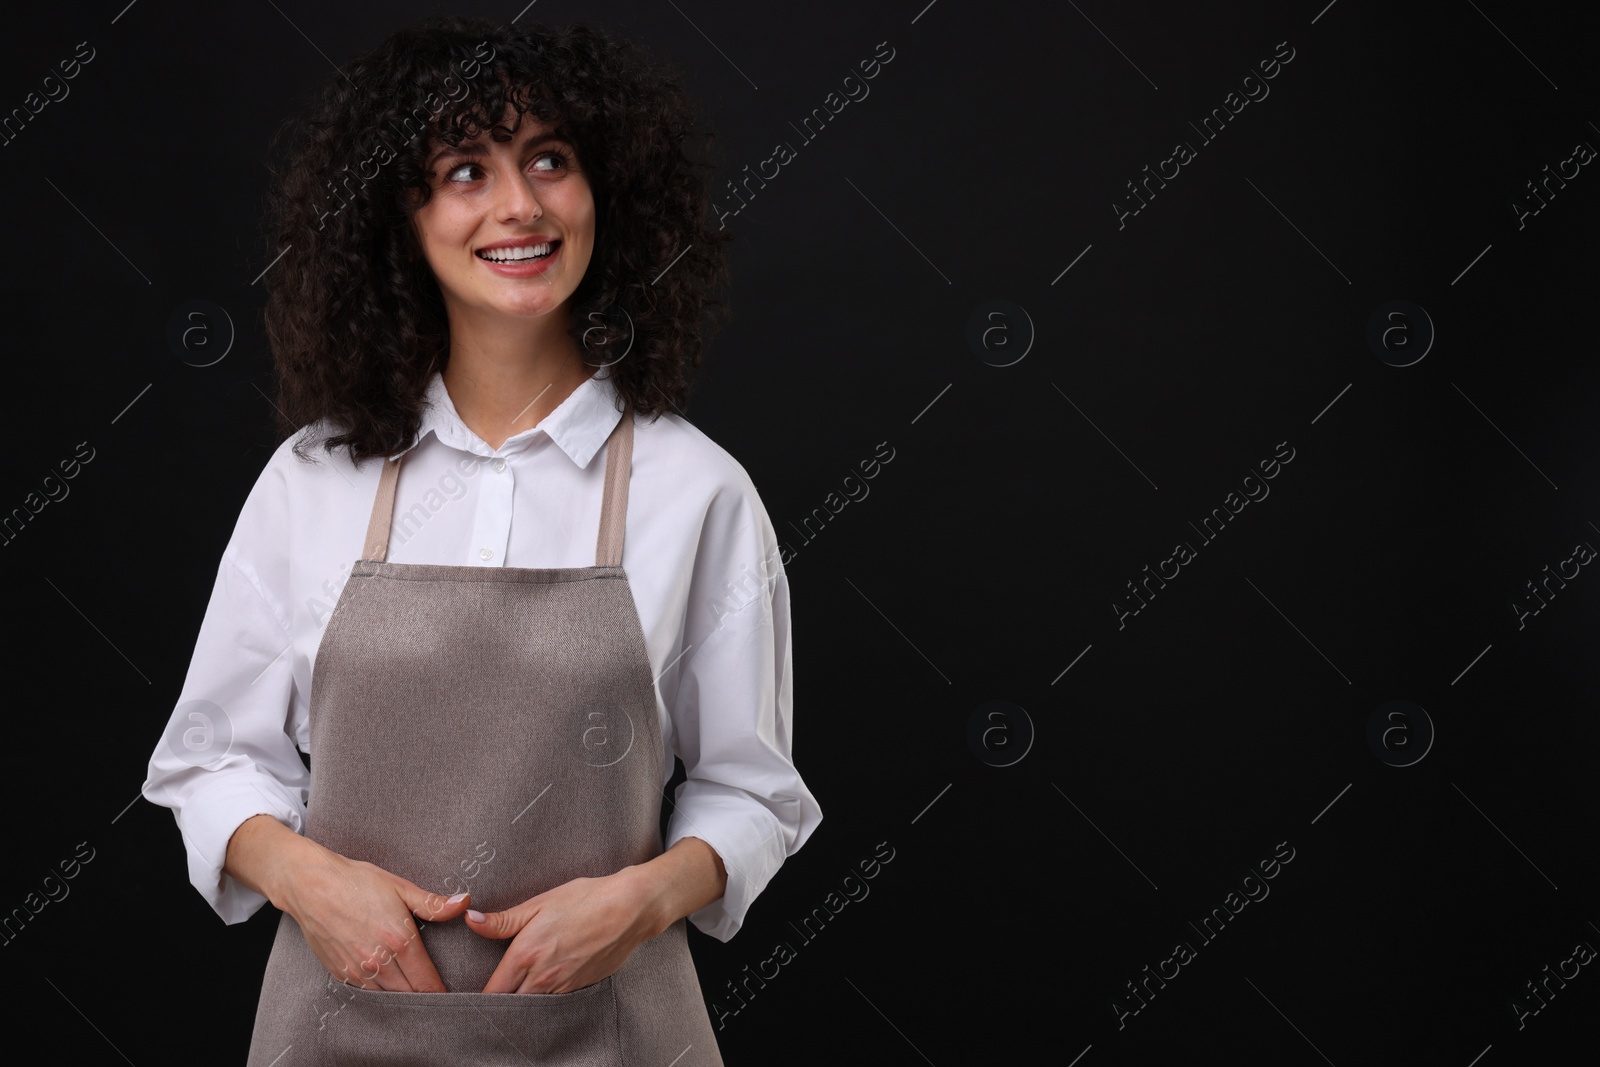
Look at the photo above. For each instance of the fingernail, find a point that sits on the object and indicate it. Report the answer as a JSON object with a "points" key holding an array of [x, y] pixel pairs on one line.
{"points": [[475, 916], [458, 898]]}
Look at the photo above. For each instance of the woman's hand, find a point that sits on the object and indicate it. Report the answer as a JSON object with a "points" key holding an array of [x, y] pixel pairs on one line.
{"points": [[356, 916], [585, 930], [571, 936]]}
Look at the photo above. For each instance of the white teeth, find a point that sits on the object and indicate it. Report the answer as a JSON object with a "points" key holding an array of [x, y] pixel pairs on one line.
{"points": [[512, 255]]}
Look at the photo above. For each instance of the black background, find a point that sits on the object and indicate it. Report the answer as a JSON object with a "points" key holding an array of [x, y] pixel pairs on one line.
{"points": [[1229, 715]]}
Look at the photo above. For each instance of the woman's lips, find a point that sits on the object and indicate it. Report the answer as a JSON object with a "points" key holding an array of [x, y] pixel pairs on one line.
{"points": [[523, 268]]}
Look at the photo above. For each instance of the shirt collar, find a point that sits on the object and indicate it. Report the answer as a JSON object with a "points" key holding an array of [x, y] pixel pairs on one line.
{"points": [[579, 425]]}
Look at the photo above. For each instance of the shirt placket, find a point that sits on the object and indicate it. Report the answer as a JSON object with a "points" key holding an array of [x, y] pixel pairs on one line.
{"points": [[491, 522]]}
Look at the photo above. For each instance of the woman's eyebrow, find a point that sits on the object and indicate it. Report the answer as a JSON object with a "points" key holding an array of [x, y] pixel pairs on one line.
{"points": [[477, 149]]}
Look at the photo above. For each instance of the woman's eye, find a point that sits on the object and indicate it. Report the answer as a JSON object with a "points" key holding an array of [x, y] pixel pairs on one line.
{"points": [[558, 158]]}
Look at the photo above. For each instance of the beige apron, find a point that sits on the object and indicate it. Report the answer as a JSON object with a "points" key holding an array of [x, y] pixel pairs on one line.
{"points": [[492, 729]]}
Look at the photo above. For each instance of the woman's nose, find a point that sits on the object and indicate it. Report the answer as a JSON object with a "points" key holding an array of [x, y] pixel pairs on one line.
{"points": [[515, 200]]}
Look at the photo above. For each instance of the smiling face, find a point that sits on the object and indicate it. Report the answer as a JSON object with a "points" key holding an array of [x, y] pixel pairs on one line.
{"points": [[509, 228]]}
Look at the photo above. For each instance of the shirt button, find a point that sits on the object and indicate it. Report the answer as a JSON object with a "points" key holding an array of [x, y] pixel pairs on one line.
{"points": [[486, 553], [500, 466]]}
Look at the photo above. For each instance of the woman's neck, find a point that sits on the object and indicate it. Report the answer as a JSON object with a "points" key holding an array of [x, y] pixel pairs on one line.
{"points": [[500, 390]]}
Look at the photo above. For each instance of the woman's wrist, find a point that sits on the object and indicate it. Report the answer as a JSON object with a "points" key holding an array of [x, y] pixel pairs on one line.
{"points": [[258, 853], [677, 883]]}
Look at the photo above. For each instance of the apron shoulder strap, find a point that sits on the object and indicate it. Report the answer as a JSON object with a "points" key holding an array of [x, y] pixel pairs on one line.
{"points": [[614, 505], [377, 544]]}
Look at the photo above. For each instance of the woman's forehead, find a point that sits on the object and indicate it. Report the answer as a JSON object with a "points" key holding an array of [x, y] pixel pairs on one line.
{"points": [[478, 145], [510, 125]]}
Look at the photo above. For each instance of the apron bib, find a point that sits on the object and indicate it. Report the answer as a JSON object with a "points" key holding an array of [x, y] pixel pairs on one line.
{"points": [[491, 730]]}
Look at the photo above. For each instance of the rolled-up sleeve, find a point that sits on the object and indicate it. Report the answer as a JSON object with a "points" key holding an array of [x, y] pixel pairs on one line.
{"points": [[228, 752], [732, 708]]}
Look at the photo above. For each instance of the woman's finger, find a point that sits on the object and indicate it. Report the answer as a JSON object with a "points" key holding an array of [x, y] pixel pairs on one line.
{"points": [[515, 971], [499, 925], [430, 907], [414, 967], [361, 926]]}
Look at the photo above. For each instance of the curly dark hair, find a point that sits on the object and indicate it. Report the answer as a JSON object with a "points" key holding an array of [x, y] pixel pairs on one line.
{"points": [[354, 316]]}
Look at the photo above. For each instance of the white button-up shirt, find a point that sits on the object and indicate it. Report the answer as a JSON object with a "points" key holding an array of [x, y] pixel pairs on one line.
{"points": [[702, 563]]}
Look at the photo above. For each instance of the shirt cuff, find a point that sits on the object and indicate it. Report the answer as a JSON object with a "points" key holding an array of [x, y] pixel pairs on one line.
{"points": [[747, 836], [208, 818]]}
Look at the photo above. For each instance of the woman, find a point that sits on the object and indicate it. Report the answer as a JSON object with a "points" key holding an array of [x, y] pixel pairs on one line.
{"points": [[495, 256]]}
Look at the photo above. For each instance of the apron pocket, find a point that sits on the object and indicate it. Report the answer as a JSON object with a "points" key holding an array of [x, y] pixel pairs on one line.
{"points": [[577, 1029]]}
